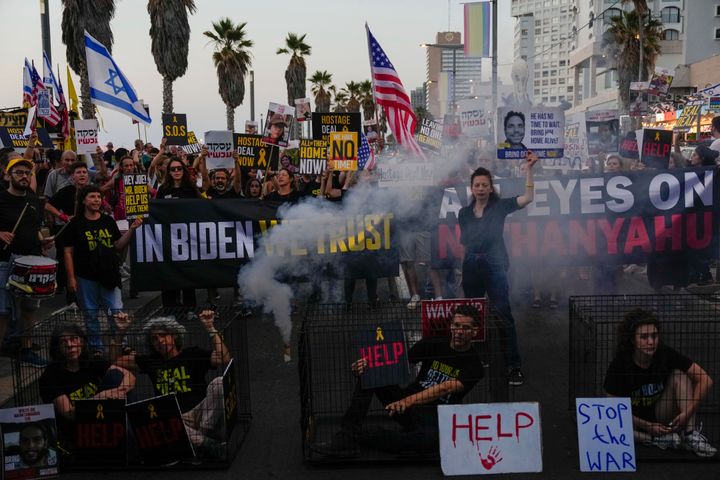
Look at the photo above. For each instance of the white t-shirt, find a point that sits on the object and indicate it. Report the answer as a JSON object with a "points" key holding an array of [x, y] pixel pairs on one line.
{"points": [[715, 145]]}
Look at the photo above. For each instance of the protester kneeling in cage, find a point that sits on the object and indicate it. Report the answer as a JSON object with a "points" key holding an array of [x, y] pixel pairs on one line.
{"points": [[665, 387], [174, 368]]}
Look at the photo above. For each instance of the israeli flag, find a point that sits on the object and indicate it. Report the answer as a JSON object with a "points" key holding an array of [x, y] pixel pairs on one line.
{"points": [[49, 77], [108, 86]]}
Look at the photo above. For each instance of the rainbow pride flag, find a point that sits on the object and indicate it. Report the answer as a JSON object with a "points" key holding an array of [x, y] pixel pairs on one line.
{"points": [[478, 18]]}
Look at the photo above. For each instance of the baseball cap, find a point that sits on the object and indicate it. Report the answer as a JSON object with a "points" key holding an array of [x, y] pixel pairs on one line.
{"points": [[15, 161], [278, 119]]}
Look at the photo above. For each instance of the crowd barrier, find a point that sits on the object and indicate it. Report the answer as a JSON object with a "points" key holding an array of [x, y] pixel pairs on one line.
{"points": [[329, 341], [151, 414], [688, 324]]}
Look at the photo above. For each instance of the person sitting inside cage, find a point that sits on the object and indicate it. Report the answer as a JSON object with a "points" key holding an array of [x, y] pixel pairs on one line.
{"points": [[665, 387], [175, 368], [449, 369]]}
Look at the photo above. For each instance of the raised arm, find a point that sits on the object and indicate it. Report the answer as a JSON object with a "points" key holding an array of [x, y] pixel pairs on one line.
{"points": [[529, 194], [221, 354]]}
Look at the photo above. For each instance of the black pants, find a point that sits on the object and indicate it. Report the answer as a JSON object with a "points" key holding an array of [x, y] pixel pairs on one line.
{"points": [[370, 284]]}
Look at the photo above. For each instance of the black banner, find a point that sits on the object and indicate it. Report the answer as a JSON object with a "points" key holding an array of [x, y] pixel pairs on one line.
{"points": [[202, 244], [582, 220], [324, 123], [175, 128], [159, 430]]}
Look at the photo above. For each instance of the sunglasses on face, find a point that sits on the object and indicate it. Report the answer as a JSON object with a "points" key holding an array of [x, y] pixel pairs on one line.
{"points": [[176, 169]]}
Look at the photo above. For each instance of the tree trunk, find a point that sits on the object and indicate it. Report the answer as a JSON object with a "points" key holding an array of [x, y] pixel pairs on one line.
{"points": [[230, 113], [86, 105], [167, 95]]}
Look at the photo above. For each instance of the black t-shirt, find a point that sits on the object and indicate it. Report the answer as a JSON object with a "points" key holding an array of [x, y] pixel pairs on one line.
{"points": [[93, 246], [183, 374], [441, 363], [64, 200], [310, 189], [291, 197], [177, 192], [229, 193], [644, 386], [26, 240], [485, 234]]}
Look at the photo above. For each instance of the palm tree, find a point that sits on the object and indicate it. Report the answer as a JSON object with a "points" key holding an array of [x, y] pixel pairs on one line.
{"points": [[341, 99], [78, 16], [170, 34], [296, 71], [367, 102], [621, 41], [352, 90], [232, 61], [320, 80], [640, 5]]}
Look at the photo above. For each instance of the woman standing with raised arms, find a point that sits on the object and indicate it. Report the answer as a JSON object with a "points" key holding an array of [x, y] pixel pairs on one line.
{"points": [[486, 260]]}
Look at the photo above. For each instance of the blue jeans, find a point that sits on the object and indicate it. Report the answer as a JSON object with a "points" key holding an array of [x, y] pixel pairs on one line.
{"points": [[483, 274], [93, 298]]}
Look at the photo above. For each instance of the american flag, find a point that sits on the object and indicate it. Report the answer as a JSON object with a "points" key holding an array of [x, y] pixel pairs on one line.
{"points": [[65, 114], [389, 92], [366, 157], [37, 83]]}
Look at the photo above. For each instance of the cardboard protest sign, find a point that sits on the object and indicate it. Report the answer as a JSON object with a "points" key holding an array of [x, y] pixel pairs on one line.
{"points": [[29, 442], [370, 129], [661, 81], [192, 144], [220, 149], [342, 151], [656, 147], [253, 152], [251, 127], [406, 174], [383, 346], [490, 438], [175, 128], [325, 123], [13, 137], [289, 158], [43, 103], [313, 156], [436, 316], [86, 136], [689, 116], [473, 120], [540, 129], [575, 152], [430, 135], [605, 435], [137, 195], [159, 430], [230, 398], [100, 436], [302, 109], [603, 128], [277, 124], [629, 146]]}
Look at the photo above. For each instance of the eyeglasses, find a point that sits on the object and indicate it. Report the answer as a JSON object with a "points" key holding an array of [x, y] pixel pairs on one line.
{"points": [[176, 169], [22, 173]]}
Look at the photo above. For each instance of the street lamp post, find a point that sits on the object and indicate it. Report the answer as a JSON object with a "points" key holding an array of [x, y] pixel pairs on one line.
{"points": [[454, 47]]}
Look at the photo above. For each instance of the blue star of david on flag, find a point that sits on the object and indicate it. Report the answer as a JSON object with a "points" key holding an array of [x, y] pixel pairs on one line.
{"points": [[111, 82]]}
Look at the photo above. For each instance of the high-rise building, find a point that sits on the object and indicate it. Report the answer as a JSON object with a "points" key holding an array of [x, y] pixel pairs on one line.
{"points": [[417, 97], [444, 57], [543, 38]]}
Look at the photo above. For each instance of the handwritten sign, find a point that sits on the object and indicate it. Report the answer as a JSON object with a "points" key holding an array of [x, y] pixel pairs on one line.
{"points": [[473, 120], [137, 195], [437, 314], [490, 438], [220, 149], [605, 434], [313, 156], [100, 432], [86, 135], [342, 151], [175, 128], [34, 426], [382, 345]]}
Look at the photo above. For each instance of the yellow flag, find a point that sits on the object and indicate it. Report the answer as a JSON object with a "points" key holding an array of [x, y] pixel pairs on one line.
{"points": [[73, 112]]}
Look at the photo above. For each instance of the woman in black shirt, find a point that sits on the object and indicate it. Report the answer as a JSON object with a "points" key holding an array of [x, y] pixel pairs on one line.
{"points": [[486, 261]]}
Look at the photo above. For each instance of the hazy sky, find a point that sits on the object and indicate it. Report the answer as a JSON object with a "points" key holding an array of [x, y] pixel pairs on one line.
{"points": [[335, 31]]}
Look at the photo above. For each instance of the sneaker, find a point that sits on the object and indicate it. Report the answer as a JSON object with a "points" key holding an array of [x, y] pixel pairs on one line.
{"points": [[663, 442], [31, 359], [516, 377], [696, 442], [414, 302]]}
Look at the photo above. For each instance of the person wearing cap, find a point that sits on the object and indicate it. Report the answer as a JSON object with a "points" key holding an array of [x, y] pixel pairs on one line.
{"points": [[277, 128], [19, 236]]}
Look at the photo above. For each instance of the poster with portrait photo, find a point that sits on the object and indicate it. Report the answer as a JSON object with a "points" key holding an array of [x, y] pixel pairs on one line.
{"points": [[603, 129], [289, 158], [370, 129], [303, 112], [539, 129], [661, 81], [29, 442], [251, 127], [277, 124]]}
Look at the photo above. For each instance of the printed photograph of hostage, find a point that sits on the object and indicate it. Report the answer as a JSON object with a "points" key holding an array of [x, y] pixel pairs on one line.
{"points": [[29, 449], [277, 125], [514, 127], [449, 369]]}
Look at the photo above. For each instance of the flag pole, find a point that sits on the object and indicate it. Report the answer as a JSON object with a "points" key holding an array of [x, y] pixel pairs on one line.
{"points": [[372, 80], [494, 64]]}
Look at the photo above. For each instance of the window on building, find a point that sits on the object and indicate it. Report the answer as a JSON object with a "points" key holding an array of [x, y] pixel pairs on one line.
{"points": [[538, 31], [553, 99], [545, 73], [561, 98], [717, 10], [553, 81], [610, 14], [561, 81], [537, 91], [524, 33], [670, 15], [545, 83], [544, 99], [717, 34], [671, 34], [570, 88], [538, 23], [562, 63]]}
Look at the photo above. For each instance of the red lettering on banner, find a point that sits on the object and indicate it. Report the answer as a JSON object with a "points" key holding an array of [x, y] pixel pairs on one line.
{"points": [[553, 241], [519, 426], [692, 239], [637, 236], [663, 233], [447, 238], [583, 236], [656, 149], [156, 434], [98, 435], [611, 233], [520, 240], [379, 355], [477, 429]]}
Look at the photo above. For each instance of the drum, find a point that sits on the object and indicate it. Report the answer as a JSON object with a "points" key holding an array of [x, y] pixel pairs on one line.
{"points": [[32, 276]]}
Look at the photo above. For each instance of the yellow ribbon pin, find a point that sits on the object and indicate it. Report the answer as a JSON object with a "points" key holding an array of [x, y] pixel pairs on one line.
{"points": [[379, 335], [151, 410], [99, 415]]}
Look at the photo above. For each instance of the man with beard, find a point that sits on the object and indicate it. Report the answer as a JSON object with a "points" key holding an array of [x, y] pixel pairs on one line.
{"points": [[220, 187], [19, 238], [34, 446]]}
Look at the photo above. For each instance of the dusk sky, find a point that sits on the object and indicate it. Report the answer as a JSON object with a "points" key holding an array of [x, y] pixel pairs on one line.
{"points": [[335, 31]]}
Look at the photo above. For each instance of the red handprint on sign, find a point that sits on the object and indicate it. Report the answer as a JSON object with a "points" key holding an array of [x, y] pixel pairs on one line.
{"points": [[491, 459]]}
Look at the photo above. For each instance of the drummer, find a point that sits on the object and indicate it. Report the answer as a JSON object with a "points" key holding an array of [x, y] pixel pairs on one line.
{"points": [[19, 236]]}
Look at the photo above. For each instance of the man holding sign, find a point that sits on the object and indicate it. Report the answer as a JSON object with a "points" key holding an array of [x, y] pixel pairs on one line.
{"points": [[449, 370]]}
